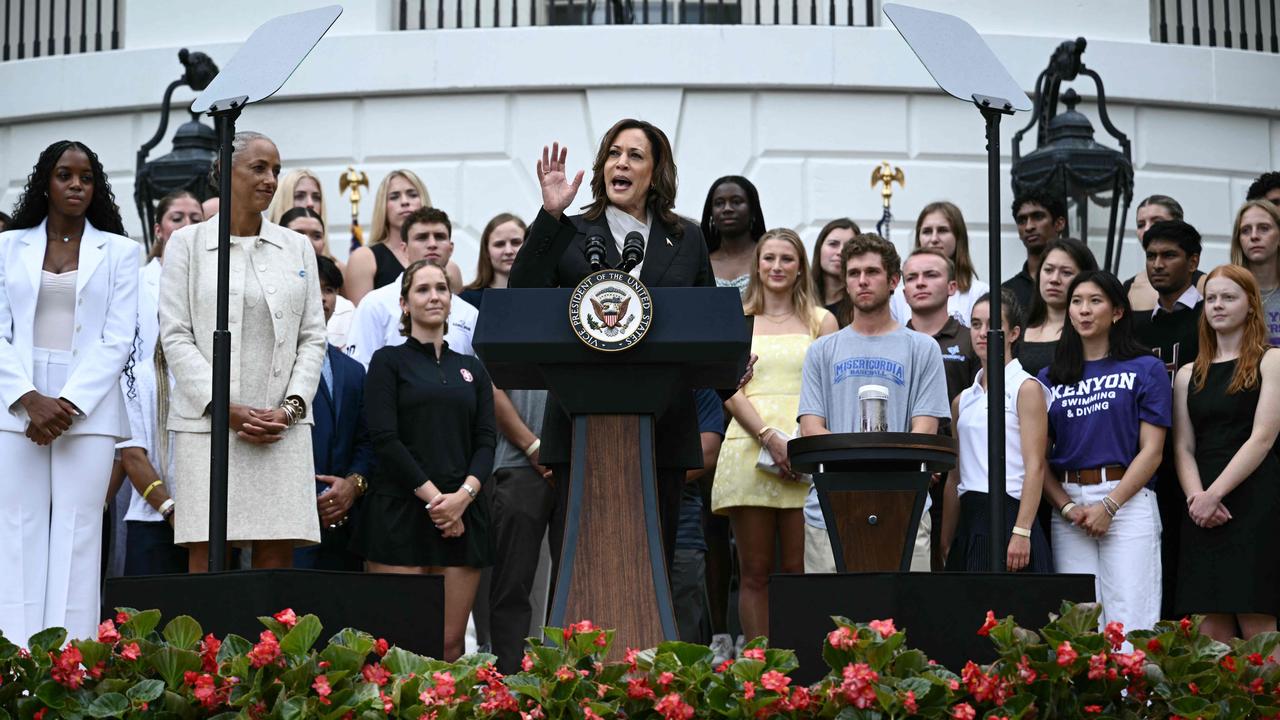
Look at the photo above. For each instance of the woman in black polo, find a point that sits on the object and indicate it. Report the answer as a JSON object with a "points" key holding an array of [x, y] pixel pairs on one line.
{"points": [[430, 417]]}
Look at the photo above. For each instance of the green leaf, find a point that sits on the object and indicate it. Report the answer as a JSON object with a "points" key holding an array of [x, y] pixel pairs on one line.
{"points": [[274, 625], [140, 624], [52, 694], [146, 690], [183, 632], [172, 663], [232, 646], [302, 636], [402, 662], [47, 640], [360, 642], [109, 705], [1189, 705], [687, 653], [92, 652], [342, 658], [295, 708]]}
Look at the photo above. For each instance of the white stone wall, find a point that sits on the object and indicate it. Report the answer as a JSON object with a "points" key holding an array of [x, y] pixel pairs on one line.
{"points": [[804, 112]]}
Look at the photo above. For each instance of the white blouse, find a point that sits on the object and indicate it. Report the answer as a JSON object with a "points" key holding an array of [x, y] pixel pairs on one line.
{"points": [[971, 429]]}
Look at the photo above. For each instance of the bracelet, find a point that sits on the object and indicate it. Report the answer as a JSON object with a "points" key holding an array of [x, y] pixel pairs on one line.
{"points": [[763, 435], [1021, 532], [361, 484], [290, 417], [151, 487], [470, 492], [533, 447], [166, 508], [1066, 509], [298, 405], [1111, 506]]}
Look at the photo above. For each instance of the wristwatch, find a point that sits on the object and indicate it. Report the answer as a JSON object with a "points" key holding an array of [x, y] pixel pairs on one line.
{"points": [[362, 485]]}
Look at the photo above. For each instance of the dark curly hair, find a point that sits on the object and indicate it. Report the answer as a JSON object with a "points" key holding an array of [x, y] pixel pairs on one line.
{"points": [[33, 205]]}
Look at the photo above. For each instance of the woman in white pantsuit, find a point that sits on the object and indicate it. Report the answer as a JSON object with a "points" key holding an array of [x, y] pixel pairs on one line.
{"points": [[68, 306], [277, 349]]}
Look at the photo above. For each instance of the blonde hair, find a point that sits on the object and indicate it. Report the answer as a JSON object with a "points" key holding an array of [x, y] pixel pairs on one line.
{"points": [[803, 301], [283, 201], [381, 227], [1237, 253]]}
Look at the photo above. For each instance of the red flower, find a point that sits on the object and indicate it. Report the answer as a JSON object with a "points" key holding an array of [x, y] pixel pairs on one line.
{"points": [[724, 665], [487, 673], [321, 686], [266, 652], [666, 679], [673, 707], [754, 654], [909, 702], [206, 691], [1257, 686], [131, 652], [107, 633], [286, 617], [122, 617], [497, 699], [963, 711], [381, 647], [1066, 654], [66, 670], [1154, 646], [775, 681], [565, 673], [1092, 709], [1025, 672], [1131, 665], [1229, 664], [884, 627], [209, 648], [526, 663], [1114, 632], [387, 705], [1185, 625], [638, 689], [989, 624], [1098, 669], [857, 685], [601, 640], [40, 714], [1193, 688], [842, 638], [1255, 659], [749, 690], [96, 671], [375, 674]]}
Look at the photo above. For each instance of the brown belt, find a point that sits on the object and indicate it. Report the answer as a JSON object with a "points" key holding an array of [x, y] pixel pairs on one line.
{"points": [[1093, 476]]}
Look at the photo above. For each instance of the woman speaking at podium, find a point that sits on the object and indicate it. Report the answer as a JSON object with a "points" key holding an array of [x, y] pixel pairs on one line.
{"points": [[633, 189]]}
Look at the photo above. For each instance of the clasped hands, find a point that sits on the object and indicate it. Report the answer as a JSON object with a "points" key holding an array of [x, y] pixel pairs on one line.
{"points": [[1206, 510], [258, 426], [1093, 519], [49, 417], [446, 512]]}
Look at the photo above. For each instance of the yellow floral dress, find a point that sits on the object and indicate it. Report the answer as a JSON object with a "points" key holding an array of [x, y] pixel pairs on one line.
{"points": [[774, 391]]}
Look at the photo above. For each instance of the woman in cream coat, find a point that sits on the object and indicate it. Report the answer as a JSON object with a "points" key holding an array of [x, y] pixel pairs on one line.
{"points": [[68, 301], [277, 349]]}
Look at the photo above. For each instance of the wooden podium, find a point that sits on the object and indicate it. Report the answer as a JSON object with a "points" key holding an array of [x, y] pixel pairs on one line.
{"points": [[612, 568], [872, 487]]}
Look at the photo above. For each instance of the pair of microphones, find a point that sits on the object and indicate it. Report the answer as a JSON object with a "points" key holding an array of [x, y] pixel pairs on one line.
{"points": [[632, 252]]}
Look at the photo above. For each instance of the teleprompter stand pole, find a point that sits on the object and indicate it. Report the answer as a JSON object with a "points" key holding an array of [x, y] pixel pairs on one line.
{"points": [[991, 109], [224, 114]]}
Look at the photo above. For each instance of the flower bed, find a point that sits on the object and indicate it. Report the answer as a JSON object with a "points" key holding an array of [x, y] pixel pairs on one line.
{"points": [[1066, 670]]}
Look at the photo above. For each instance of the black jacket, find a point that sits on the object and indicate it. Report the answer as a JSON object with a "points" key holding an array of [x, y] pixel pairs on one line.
{"points": [[553, 256]]}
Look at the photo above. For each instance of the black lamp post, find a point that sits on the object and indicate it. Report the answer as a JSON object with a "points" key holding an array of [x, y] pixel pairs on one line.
{"points": [[1067, 161], [194, 147]]}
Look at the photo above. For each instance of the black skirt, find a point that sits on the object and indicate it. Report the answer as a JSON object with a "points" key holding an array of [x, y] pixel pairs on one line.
{"points": [[398, 531], [971, 549]]}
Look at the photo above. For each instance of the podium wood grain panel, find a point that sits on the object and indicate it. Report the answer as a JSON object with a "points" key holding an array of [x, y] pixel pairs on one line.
{"points": [[613, 581], [878, 547]]}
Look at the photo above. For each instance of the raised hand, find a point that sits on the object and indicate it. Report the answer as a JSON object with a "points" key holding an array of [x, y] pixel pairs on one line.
{"points": [[557, 191]]}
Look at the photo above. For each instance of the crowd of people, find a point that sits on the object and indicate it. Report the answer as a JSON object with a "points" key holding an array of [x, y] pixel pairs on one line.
{"points": [[365, 434]]}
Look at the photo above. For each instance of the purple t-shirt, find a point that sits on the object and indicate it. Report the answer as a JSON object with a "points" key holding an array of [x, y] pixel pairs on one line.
{"points": [[1095, 422]]}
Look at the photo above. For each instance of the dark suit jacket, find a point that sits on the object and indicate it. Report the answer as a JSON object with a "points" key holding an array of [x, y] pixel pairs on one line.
{"points": [[553, 256], [339, 439]]}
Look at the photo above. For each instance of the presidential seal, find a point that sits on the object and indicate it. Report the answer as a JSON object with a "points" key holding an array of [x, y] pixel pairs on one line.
{"points": [[610, 310]]}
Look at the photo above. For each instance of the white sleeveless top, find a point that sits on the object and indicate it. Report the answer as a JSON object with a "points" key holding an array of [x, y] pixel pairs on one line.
{"points": [[971, 428], [55, 311]]}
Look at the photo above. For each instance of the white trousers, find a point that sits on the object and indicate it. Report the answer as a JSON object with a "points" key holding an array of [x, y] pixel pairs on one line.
{"points": [[1125, 562], [51, 524], [818, 557]]}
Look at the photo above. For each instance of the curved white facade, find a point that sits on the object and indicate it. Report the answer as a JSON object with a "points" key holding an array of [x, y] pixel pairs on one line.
{"points": [[804, 112]]}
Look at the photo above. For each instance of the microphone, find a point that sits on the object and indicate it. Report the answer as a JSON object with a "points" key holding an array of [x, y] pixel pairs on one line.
{"points": [[595, 252], [632, 251]]}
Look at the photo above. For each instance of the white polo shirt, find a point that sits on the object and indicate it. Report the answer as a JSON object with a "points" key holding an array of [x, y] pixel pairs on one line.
{"points": [[376, 324]]}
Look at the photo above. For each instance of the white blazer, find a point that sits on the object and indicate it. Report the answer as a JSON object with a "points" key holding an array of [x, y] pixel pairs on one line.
{"points": [[285, 265], [106, 314]]}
